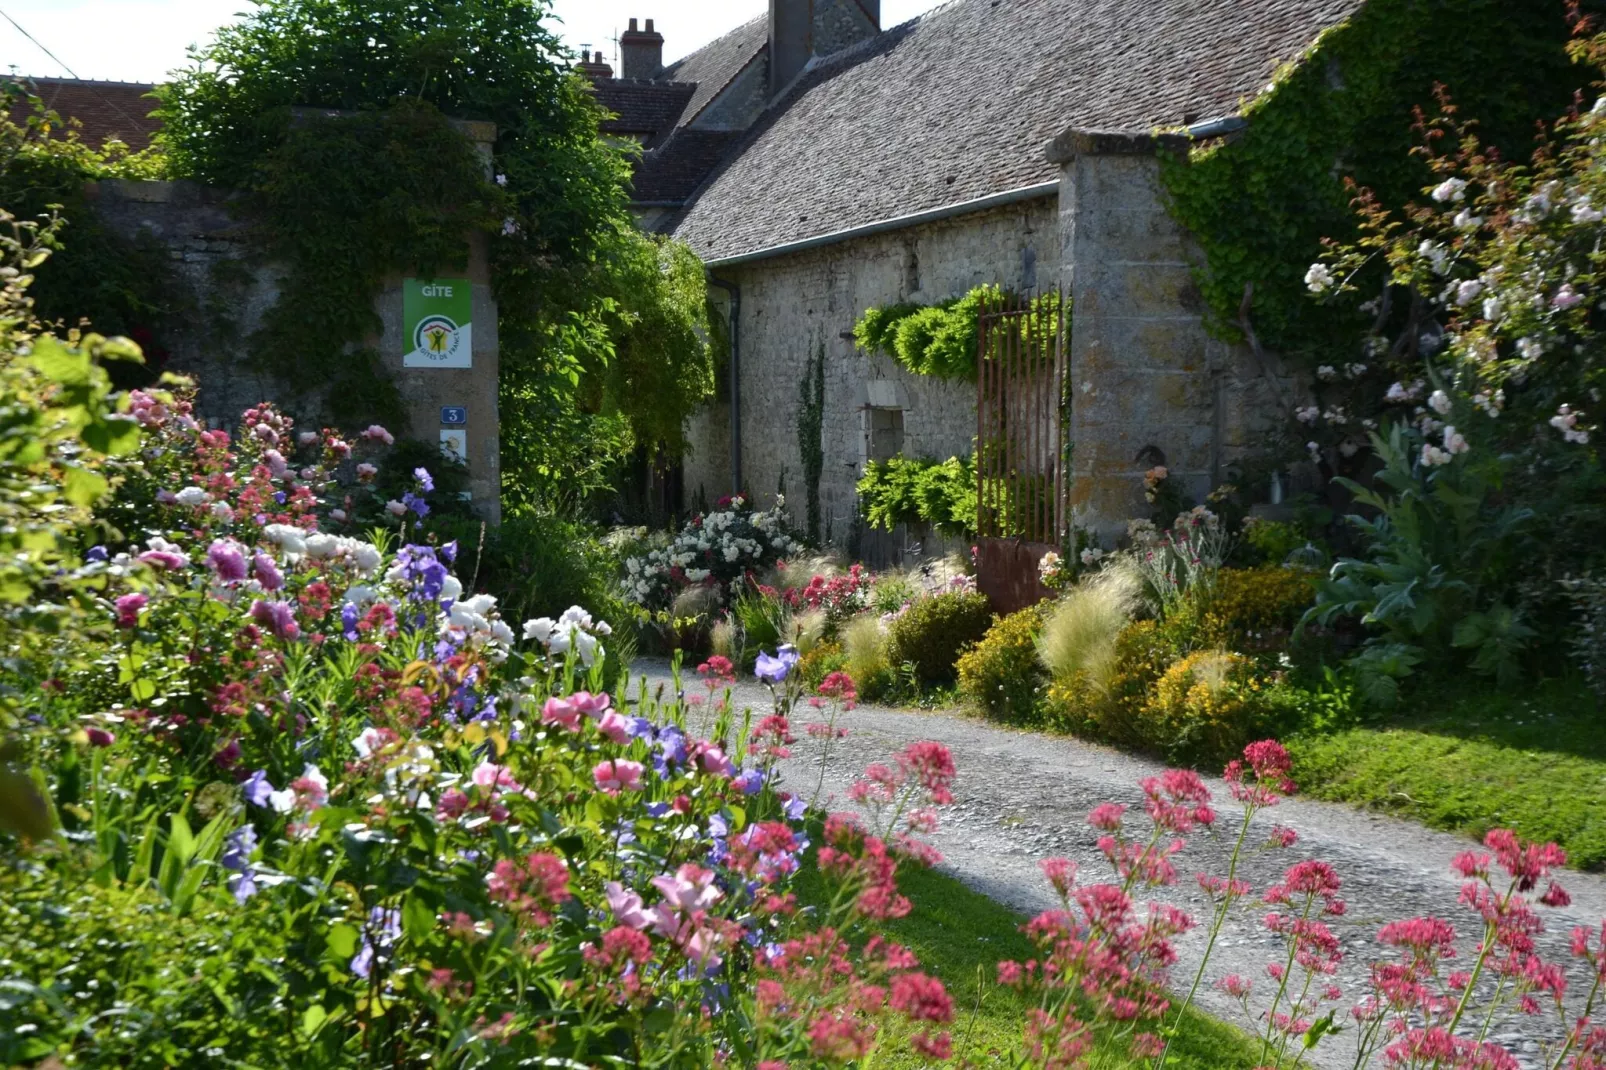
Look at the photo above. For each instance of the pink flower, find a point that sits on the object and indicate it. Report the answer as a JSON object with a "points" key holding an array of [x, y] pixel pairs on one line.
{"points": [[164, 559], [307, 438], [494, 778], [395, 508], [618, 775], [563, 714], [267, 573], [592, 706], [375, 433], [932, 765], [626, 906], [1107, 816], [710, 759], [226, 558], [613, 726], [691, 888], [128, 607], [366, 471], [278, 617], [100, 737], [1061, 873]]}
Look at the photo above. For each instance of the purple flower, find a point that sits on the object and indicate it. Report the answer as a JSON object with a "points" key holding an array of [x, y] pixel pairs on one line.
{"points": [[751, 781], [422, 475], [277, 617], [257, 789], [419, 566], [379, 936], [448, 552], [795, 808], [226, 558], [415, 503], [268, 574], [97, 554], [773, 670], [348, 622], [237, 859]]}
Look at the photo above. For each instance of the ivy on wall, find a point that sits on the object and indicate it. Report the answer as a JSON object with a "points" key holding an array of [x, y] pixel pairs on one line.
{"points": [[1260, 202], [810, 433], [939, 340], [602, 329], [911, 490]]}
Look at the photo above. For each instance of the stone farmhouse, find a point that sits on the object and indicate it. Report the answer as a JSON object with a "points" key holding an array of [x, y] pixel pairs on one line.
{"points": [[822, 165]]}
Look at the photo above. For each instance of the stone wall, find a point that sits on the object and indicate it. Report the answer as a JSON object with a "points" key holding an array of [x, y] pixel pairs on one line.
{"points": [[794, 303], [227, 293]]}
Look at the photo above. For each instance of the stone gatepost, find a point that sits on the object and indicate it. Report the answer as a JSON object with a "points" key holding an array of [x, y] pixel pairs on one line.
{"points": [[439, 344], [1149, 385]]}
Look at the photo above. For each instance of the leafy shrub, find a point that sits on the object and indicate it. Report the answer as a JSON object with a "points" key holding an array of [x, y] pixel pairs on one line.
{"points": [[1272, 540], [535, 560], [1002, 674], [826, 658], [1587, 645], [717, 549], [911, 490], [932, 633], [1205, 707], [940, 339], [1255, 609]]}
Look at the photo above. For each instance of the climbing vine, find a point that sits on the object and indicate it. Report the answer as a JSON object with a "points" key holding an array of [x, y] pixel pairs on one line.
{"points": [[594, 316], [940, 340], [1261, 201], [909, 490], [810, 433]]}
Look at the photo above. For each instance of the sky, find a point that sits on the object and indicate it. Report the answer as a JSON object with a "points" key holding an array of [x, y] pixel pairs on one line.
{"points": [[140, 40]]}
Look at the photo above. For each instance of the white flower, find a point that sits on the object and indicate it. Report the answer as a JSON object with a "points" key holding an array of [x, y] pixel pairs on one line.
{"points": [[365, 556], [292, 540], [1439, 402], [283, 800], [1318, 278], [1585, 213], [1435, 254], [539, 629], [1397, 394], [1530, 348], [156, 542], [321, 545], [1465, 220], [501, 180], [1091, 555], [697, 575], [1327, 373], [1467, 291], [1454, 441], [509, 228], [1432, 456], [360, 595], [1451, 189], [1355, 371], [395, 508], [192, 496], [222, 511], [337, 515], [451, 589], [1307, 415], [1491, 308], [1349, 447], [367, 741]]}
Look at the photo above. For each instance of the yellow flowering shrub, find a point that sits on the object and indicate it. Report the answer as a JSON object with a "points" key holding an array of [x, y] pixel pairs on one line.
{"points": [[1001, 675], [1204, 708], [1255, 609]]}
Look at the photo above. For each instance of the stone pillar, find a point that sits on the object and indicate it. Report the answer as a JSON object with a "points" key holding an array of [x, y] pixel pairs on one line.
{"points": [[1147, 380], [427, 391]]}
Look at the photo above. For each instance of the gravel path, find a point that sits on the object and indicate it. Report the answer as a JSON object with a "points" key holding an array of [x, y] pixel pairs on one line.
{"points": [[1023, 796]]}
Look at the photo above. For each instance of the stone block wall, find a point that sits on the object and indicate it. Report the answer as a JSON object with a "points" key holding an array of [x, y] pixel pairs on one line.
{"points": [[227, 292], [792, 304], [1146, 377]]}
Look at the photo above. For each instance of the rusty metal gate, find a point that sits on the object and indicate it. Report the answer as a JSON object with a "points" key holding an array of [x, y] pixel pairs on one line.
{"points": [[1021, 478]]}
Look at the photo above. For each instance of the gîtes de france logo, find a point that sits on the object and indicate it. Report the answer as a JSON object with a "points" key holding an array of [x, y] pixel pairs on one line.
{"points": [[439, 340]]}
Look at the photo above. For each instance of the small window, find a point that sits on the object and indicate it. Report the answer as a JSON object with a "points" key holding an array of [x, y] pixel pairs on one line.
{"points": [[885, 433]]}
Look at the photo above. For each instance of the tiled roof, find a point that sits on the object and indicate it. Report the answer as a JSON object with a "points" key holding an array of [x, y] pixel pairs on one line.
{"points": [[646, 109], [106, 109], [671, 172], [716, 63], [959, 103]]}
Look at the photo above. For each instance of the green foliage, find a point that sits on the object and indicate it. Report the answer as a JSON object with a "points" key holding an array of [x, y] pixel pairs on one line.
{"points": [[933, 632], [344, 202], [941, 339], [1002, 675], [810, 432], [536, 563], [910, 490], [1441, 553], [121, 286], [1261, 202], [1469, 759], [602, 329], [1204, 709]]}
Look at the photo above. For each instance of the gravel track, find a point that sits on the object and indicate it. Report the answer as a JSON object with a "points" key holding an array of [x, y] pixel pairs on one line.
{"points": [[1023, 796]]}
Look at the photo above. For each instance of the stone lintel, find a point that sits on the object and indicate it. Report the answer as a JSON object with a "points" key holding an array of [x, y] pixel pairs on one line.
{"points": [[1074, 142]]}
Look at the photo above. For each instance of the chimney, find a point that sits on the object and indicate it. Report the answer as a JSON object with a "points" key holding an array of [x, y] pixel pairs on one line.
{"points": [[791, 40], [641, 52], [592, 66]]}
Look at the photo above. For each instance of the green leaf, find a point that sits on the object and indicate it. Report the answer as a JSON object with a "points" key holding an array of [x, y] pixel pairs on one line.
{"points": [[83, 486], [418, 917], [341, 943]]}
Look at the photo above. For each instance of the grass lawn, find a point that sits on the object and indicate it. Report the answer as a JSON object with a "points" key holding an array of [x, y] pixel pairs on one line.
{"points": [[960, 936], [1531, 760]]}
